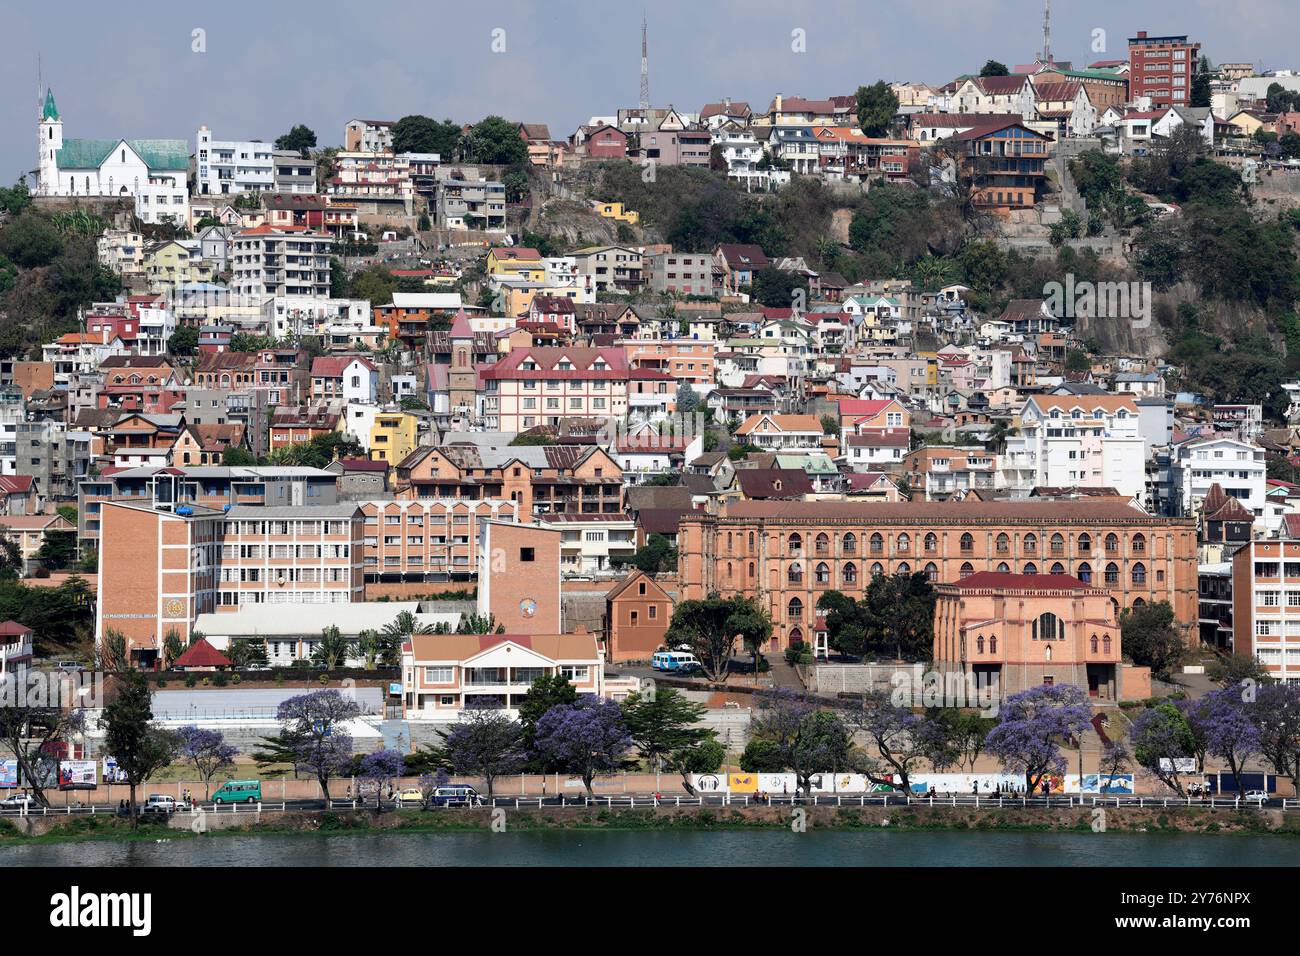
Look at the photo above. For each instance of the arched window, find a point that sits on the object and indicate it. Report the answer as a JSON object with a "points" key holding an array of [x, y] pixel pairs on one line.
{"points": [[931, 542], [795, 543], [1058, 544], [850, 543], [795, 574], [1003, 543], [850, 573], [1093, 642], [1105, 644], [751, 569], [1003, 568], [1030, 543], [1112, 573], [796, 637], [822, 544], [751, 541], [1031, 568], [1048, 627], [1139, 544], [1058, 568], [904, 542], [1112, 544], [1139, 603], [877, 569], [904, 568], [932, 572], [822, 573], [1139, 573], [979, 644], [794, 610], [728, 570], [877, 543], [966, 570], [967, 542], [728, 542], [1085, 573], [1085, 543], [993, 644]]}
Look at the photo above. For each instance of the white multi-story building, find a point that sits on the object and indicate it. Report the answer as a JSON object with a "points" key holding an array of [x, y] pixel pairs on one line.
{"points": [[1236, 466], [281, 262], [337, 322], [589, 541], [1084, 441], [223, 168], [540, 386], [153, 172]]}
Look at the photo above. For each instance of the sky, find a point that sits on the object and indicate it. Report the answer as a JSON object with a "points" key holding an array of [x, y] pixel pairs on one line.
{"points": [[133, 69]]}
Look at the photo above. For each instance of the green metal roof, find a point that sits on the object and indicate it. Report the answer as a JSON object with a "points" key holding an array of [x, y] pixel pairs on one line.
{"points": [[162, 154], [50, 112]]}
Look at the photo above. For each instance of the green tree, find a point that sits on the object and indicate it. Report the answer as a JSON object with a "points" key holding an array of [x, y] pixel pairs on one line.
{"points": [[547, 691], [711, 628], [420, 134], [776, 288], [496, 141], [300, 139], [184, 341], [665, 727], [331, 651], [877, 105], [140, 748], [58, 550], [31, 240], [1150, 639], [994, 68]]}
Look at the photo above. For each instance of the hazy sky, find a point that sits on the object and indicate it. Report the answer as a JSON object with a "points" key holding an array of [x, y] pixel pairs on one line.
{"points": [[269, 65]]}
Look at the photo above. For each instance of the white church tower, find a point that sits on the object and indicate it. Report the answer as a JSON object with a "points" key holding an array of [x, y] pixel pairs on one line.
{"points": [[51, 142]]}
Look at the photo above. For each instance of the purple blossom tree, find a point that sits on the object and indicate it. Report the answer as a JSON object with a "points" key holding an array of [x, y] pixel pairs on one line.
{"points": [[486, 743], [1031, 726], [902, 739], [1276, 715], [208, 752], [381, 768], [312, 740], [1161, 737], [585, 738], [1222, 719]]}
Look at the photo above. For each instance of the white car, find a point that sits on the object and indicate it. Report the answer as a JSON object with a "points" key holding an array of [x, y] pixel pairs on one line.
{"points": [[19, 802], [160, 803], [1256, 796]]}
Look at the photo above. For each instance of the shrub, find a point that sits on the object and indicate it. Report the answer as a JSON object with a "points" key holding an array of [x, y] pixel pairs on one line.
{"points": [[191, 680], [219, 679]]}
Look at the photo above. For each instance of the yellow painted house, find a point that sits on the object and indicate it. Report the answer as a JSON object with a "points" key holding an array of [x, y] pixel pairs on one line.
{"points": [[615, 211], [518, 263], [169, 262], [393, 436]]}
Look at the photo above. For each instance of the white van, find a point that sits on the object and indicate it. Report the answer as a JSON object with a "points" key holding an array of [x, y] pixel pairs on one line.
{"points": [[675, 661]]}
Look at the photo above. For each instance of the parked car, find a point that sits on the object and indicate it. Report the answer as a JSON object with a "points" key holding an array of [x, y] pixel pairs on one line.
{"points": [[410, 797], [1256, 796], [159, 803], [21, 801]]}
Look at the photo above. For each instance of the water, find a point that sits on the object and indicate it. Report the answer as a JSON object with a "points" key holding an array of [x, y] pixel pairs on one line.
{"points": [[677, 848]]}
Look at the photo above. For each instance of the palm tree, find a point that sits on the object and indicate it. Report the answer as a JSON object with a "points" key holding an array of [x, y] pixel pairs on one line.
{"points": [[479, 624], [406, 624], [373, 646], [332, 650]]}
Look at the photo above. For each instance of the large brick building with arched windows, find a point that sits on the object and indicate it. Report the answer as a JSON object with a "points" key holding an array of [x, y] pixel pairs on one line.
{"points": [[789, 552]]}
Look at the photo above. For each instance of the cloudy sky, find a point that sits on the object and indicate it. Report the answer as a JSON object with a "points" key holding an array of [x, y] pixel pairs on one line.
{"points": [[131, 70]]}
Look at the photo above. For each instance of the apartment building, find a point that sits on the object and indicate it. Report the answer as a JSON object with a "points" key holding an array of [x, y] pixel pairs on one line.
{"points": [[1237, 467], [1013, 632], [284, 261], [288, 555], [539, 479], [463, 203], [936, 473], [424, 539], [1266, 605], [368, 135], [681, 272], [611, 268], [590, 543], [541, 386], [279, 374], [789, 552], [1085, 441], [211, 489], [229, 167], [690, 362], [1162, 67]]}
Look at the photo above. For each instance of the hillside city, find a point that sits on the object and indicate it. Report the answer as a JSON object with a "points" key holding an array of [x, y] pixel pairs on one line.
{"points": [[928, 440]]}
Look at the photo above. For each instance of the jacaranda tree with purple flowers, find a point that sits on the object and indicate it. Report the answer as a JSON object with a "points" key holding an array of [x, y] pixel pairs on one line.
{"points": [[585, 738], [207, 752], [1276, 715], [381, 768], [1031, 726], [312, 738], [1221, 718], [1161, 737]]}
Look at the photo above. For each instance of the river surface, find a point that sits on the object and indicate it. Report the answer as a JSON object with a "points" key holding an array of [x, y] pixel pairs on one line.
{"points": [[676, 848]]}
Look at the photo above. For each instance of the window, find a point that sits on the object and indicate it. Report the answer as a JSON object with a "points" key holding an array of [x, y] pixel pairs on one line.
{"points": [[850, 573], [1002, 544], [1139, 544], [1139, 573], [1031, 544], [1048, 627], [967, 543], [822, 573], [1112, 573], [1085, 543], [932, 572], [1085, 573], [877, 543], [795, 544], [527, 554], [850, 543], [822, 545], [931, 543], [795, 574], [904, 542], [438, 675], [1112, 544], [794, 610]]}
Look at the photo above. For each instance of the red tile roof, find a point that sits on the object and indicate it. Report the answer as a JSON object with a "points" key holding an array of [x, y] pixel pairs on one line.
{"points": [[202, 654]]}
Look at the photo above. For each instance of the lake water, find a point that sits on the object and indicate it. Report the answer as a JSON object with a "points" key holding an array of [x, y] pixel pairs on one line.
{"points": [[680, 848]]}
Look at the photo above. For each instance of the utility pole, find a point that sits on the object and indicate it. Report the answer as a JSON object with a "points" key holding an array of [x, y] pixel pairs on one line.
{"points": [[1047, 32]]}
